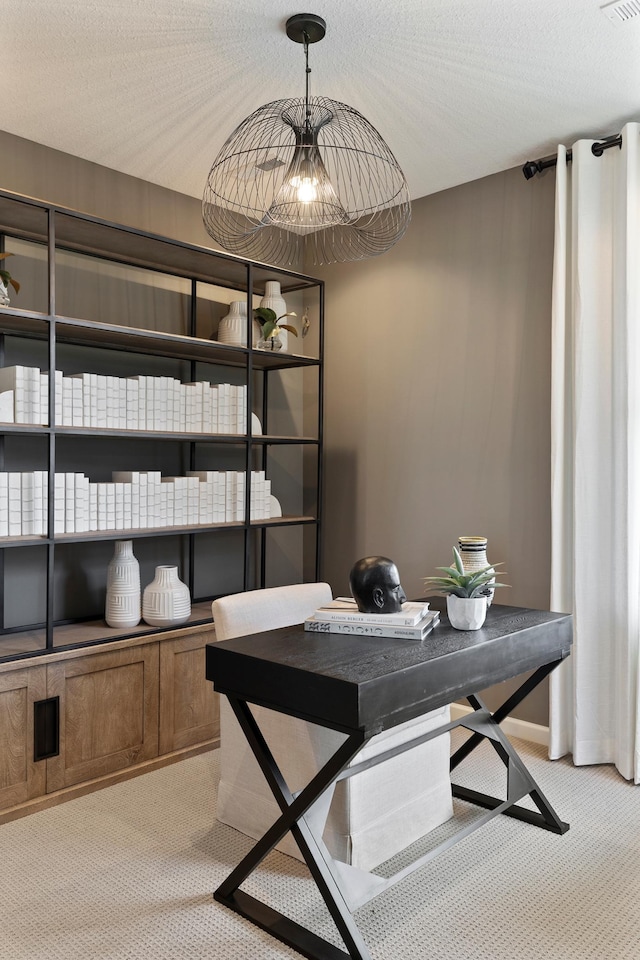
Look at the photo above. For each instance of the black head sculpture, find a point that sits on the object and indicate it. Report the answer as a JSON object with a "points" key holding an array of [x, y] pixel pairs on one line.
{"points": [[375, 585]]}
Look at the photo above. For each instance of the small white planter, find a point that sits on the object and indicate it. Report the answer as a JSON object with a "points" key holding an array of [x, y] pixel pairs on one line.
{"points": [[465, 613]]}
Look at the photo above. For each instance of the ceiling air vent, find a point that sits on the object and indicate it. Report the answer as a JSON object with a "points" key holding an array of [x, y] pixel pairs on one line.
{"points": [[621, 10], [268, 165]]}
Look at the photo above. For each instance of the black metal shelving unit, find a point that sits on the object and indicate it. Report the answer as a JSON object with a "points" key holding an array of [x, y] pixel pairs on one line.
{"points": [[53, 231]]}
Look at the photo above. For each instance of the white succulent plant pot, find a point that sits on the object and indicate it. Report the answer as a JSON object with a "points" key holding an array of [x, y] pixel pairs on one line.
{"points": [[466, 613]]}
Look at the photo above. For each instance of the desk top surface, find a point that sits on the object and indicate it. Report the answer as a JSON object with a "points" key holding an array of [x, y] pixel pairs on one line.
{"points": [[372, 683]]}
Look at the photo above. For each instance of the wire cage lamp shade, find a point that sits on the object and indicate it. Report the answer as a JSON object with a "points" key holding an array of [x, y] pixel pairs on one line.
{"points": [[306, 178]]}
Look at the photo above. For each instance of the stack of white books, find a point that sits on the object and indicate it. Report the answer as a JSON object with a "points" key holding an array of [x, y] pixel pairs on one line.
{"points": [[23, 503], [413, 622], [20, 395], [117, 403], [133, 500]]}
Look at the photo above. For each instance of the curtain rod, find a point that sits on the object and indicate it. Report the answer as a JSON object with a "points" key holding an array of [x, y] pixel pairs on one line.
{"points": [[532, 167]]}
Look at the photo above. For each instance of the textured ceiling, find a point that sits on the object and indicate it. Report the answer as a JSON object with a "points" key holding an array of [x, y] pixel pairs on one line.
{"points": [[459, 89]]}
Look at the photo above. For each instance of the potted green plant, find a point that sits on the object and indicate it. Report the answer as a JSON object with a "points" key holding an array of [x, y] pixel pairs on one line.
{"points": [[270, 327], [466, 593], [5, 280]]}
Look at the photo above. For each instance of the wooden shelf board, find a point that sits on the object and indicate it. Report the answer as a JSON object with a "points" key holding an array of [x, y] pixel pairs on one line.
{"points": [[24, 323], [25, 428], [94, 631], [152, 435], [138, 534], [139, 340], [28, 429], [27, 217], [24, 541]]}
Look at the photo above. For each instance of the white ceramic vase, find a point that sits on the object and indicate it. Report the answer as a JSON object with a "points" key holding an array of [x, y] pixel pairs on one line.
{"points": [[232, 328], [274, 300], [465, 613], [4, 295], [166, 600], [473, 551], [122, 607]]}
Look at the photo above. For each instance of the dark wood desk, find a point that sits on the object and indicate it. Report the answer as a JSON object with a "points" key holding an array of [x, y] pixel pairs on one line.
{"points": [[361, 686]]}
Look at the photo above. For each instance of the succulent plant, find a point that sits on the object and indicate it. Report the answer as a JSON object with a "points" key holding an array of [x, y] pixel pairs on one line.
{"points": [[6, 277], [473, 584], [270, 324]]}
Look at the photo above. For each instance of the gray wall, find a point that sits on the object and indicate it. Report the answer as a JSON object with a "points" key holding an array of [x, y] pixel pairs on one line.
{"points": [[38, 171], [437, 405], [437, 370]]}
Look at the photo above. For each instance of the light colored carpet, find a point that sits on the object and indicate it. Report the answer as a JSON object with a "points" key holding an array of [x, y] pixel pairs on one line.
{"points": [[127, 874]]}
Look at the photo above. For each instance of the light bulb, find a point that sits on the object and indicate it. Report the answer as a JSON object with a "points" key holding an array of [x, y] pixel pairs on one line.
{"points": [[306, 201], [305, 188]]}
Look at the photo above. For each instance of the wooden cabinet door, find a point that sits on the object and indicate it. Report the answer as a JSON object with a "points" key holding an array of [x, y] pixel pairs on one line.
{"points": [[20, 777], [189, 711], [108, 713]]}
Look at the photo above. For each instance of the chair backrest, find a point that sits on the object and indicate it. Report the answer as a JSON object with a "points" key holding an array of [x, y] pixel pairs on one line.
{"points": [[257, 610]]}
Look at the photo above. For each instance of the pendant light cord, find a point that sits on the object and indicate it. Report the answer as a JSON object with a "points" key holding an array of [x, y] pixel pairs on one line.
{"points": [[307, 72]]}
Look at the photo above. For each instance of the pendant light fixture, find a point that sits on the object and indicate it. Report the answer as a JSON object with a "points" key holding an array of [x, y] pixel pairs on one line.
{"points": [[306, 179]]}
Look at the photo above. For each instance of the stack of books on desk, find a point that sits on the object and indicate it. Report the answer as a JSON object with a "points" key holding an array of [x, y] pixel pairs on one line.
{"points": [[414, 621]]}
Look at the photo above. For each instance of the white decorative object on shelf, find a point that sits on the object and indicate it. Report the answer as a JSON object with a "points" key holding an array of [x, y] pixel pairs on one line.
{"points": [[4, 295], [166, 600], [122, 607], [274, 300], [232, 328], [275, 508], [256, 426], [465, 613]]}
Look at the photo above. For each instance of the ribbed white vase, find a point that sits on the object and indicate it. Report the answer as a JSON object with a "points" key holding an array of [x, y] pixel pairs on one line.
{"points": [[232, 328], [473, 551], [122, 608], [274, 300], [166, 600]]}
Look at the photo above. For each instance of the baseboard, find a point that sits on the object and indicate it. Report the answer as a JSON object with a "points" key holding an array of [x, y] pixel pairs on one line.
{"points": [[513, 727], [89, 786]]}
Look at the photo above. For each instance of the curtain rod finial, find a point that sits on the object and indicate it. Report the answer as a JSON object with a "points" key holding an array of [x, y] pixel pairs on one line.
{"points": [[530, 169]]}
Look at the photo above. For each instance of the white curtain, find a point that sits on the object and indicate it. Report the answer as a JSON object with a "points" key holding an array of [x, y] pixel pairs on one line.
{"points": [[596, 453]]}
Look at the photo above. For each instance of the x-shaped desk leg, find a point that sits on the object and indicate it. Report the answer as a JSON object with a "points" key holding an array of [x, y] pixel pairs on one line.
{"points": [[292, 819], [520, 783]]}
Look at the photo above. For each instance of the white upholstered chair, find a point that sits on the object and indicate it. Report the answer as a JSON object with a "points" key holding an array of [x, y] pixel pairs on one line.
{"points": [[374, 814]]}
